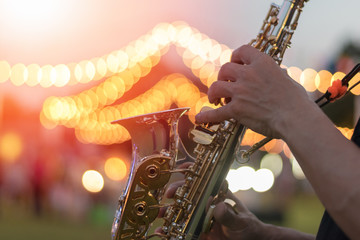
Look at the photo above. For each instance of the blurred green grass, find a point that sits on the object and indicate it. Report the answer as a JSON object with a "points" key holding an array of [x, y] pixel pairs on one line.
{"points": [[304, 213], [20, 223]]}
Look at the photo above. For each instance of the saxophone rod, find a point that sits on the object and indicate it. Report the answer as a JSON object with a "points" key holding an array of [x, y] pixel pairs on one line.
{"points": [[246, 154]]}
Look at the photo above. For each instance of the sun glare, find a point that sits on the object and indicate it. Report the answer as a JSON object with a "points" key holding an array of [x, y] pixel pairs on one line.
{"points": [[30, 12]]}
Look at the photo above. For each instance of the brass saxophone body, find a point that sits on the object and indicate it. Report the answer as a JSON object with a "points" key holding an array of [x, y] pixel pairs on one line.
{"points": [[155, 147]]}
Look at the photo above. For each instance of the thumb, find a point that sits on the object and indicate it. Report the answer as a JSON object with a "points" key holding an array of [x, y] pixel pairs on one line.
{"points": [[226, 216]]}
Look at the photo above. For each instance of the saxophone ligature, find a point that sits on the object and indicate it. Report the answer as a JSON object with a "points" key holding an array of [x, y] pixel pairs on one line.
{"points": [[155, 143]]}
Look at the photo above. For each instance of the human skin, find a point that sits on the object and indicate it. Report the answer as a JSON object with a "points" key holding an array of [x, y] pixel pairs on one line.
{"points": [[264, 98]]}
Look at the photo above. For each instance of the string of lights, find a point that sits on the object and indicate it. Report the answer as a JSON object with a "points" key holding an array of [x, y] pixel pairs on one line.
{"points": [[91, 111]]}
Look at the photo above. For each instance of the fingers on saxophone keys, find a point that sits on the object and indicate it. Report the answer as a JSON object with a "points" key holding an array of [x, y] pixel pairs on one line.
{"points": [[170, 191], [161, 212], [185, 165], [214, 116], [240, 207], [232, 204], [218, 90], [224, 215]]}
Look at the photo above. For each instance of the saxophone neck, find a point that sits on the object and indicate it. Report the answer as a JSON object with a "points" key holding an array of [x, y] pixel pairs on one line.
{"points": [[278, 27]]}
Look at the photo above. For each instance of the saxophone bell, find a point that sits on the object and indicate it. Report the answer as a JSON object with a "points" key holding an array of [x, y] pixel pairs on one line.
{"points": [[155, 143]]}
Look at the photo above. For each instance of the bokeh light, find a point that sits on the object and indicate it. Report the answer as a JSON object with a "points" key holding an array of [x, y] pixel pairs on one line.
{"points": [[263, 180], [272, 162], [115, 168], [307, 79], [18, 74], [240, 179], [34, 75], [295, 73], [11, 146], [93, 181], [121, 69], [5, 71], [296, 169], [323, 80], [245, 178], [48, 76], [112, 86]]}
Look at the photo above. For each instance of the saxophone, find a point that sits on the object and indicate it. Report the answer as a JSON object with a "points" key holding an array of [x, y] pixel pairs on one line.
{"points": [[155, 144]]}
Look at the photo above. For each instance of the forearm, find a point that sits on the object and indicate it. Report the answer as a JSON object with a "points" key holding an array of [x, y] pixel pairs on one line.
{"points": [[265, 99], [330, 162], [282, 233]]}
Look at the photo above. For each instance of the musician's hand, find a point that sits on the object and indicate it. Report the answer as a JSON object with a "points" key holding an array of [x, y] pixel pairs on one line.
{"points": [[262, 96], [228, 224], [235, 222]]}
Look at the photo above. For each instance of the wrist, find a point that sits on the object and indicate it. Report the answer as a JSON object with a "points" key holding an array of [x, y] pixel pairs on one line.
{"points": [[299, 119], [271, 232]]}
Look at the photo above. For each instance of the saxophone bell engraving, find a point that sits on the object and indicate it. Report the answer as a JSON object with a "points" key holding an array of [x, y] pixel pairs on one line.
{"points": [[155, 147]]}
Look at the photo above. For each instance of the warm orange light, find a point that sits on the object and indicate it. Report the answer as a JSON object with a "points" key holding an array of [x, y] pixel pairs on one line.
{"points": [[138, 72], [287, 151], [307, 79], [100, 66], [346, 132], [127, 79], [11, 147], [294, 73], [123, 59], [184, 32], [62, 75], [18, 74], [115, 168], [5, 71], [215, 51], [112, 63], [355, 90], [206, 72], [93, 181], [78, 73], [56, 109], [91, 111], [323, 80], [225, 55], [90, 71], [187, 57], [48, 76], [46, 122], [110, 91], [34, 75], [160, 35], [336, 76], [249, 138], [274, 146]]}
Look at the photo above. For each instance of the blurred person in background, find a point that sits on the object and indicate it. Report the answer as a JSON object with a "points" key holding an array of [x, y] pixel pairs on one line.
{"points": [[264, 98]]}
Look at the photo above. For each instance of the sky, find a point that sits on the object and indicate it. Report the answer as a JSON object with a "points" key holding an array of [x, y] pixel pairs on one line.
{"points": [[64, 31]]}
